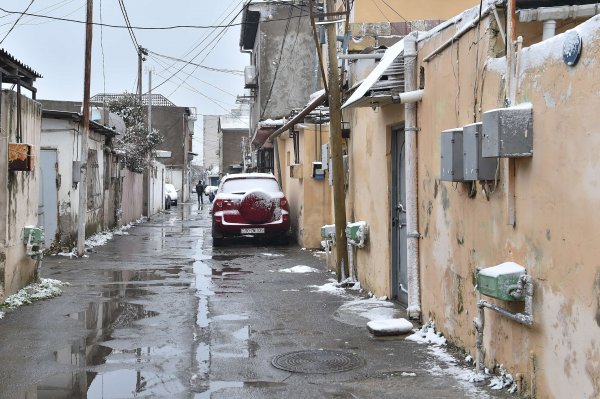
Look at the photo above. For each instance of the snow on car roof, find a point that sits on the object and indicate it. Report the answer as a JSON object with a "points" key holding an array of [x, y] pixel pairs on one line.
{"points": [[249, 176]]}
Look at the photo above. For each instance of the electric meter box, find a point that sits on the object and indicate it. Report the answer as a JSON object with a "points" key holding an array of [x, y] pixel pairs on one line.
{"points": [[357, 233], [476, 167], [508, 132], [328, 232], [452, 155], [500, 281]]}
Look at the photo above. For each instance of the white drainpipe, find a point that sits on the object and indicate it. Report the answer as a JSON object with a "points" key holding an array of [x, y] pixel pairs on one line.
{"points": [[549, 29], [410, 142]]}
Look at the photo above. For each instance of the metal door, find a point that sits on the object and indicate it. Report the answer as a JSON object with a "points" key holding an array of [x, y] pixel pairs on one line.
{"points": [[48, 195], [398, 218]]}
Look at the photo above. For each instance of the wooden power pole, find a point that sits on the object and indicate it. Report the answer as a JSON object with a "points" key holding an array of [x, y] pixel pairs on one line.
{"points": [[335, 140], [82, 216]]}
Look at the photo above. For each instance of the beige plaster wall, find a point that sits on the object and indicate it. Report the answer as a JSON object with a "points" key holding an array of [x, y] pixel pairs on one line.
{"points": [[409, 10], [310, 200], [370, 189], [556, 233]]}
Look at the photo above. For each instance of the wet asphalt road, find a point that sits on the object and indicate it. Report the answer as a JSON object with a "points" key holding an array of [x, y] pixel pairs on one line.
{"points": [[159, 313]]}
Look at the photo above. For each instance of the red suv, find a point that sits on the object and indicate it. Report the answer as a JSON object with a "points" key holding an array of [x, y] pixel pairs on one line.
{"points": [[250, 204]]}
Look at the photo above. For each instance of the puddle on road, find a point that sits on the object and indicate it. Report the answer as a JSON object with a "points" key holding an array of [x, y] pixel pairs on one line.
{"points": [[111, 384], [107, 316], [81, 354], [229, 257], [229, 273], [143, 274], [215, 386]]}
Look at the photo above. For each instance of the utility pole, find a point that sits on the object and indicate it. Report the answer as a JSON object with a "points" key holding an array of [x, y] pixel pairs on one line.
{"points": [[141, 53], [82, 216], [150, 181], [335, 139]]}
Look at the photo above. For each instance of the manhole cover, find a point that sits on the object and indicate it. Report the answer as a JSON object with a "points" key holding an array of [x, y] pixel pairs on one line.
{"points": [[317, 361]]}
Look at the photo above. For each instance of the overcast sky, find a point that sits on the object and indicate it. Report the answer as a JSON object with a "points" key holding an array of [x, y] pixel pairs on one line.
{"points": [[55, 49]]}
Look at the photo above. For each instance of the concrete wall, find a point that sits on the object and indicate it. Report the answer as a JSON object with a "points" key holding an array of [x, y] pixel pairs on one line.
{"points": [[231, 148], [155, 184], [132, 196], [62, 135], [310, 200], [19, 201], [177, 130], [293, 68], [210, 141]]}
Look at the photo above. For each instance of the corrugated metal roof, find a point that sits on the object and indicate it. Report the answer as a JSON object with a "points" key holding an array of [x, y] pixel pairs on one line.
{"points": [[8, 60], [386, 80]]}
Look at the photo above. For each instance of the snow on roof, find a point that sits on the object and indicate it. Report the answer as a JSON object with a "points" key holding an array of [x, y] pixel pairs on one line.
{"points": [[234, 122], [461, 20], [388, 58], [249, 175]]}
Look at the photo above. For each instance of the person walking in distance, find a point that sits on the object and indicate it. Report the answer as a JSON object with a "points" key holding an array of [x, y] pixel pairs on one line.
{"points": [[200, 192]]}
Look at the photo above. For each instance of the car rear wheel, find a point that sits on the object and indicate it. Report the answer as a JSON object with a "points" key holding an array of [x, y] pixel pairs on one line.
{"points": [[217, 238]]}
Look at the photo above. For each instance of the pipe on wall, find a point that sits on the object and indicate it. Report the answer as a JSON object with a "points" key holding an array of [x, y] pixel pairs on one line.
{"points": [[524, 291], [410, 137], [549, 29]]}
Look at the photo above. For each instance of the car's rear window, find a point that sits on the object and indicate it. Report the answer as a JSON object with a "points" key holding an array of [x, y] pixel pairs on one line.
{"points": [[240, 186]]}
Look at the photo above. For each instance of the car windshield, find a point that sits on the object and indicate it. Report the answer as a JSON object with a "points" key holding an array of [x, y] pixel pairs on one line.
{"points": [[241, 185]]}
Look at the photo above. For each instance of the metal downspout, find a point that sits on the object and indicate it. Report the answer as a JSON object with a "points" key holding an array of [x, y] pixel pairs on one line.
{"points": [[410, 137]]}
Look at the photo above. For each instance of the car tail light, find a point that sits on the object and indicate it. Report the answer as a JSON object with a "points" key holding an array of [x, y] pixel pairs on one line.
{"points": [[283, 203], [219, 203]]}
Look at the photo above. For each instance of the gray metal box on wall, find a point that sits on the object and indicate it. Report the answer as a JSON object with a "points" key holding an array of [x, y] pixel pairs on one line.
{"points": [[508, 132], [475, 166], [452, 155]]}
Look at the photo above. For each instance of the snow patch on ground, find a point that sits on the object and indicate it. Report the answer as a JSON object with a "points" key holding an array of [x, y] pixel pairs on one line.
{"points": [[332, 287], [1, 315], [273, 255], [299, 269], [46, 288], [427, 335], [390, 326], [466, 376], [405, 374]]}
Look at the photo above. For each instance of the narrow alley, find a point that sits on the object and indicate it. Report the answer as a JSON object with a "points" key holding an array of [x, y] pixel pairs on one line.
{"points": [[156, 312]]}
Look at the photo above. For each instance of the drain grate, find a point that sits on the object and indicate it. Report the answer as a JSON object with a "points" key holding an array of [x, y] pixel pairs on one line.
{"points": [[317, 361]]}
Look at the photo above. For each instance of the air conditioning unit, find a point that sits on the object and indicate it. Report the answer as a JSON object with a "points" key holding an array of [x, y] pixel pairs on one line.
{"points": [[250, 77]]}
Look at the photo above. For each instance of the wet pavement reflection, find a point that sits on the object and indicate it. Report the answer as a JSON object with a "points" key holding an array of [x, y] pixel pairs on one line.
{"points": [[128, 292]]}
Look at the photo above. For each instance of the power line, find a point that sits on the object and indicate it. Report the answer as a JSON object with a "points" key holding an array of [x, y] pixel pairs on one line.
{"points": [[169, 27], [391, 8], [227, 26], [128, 24], [221, 17], [198, 79], [16, 22], [223, 70], [215, 39]]}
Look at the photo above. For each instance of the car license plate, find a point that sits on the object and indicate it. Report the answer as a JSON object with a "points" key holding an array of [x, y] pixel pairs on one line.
{"points": [[256, 230]]}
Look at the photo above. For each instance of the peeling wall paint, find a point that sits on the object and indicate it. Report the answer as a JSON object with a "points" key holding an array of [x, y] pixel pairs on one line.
{"points": [[556, 233], [19, 202]]}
